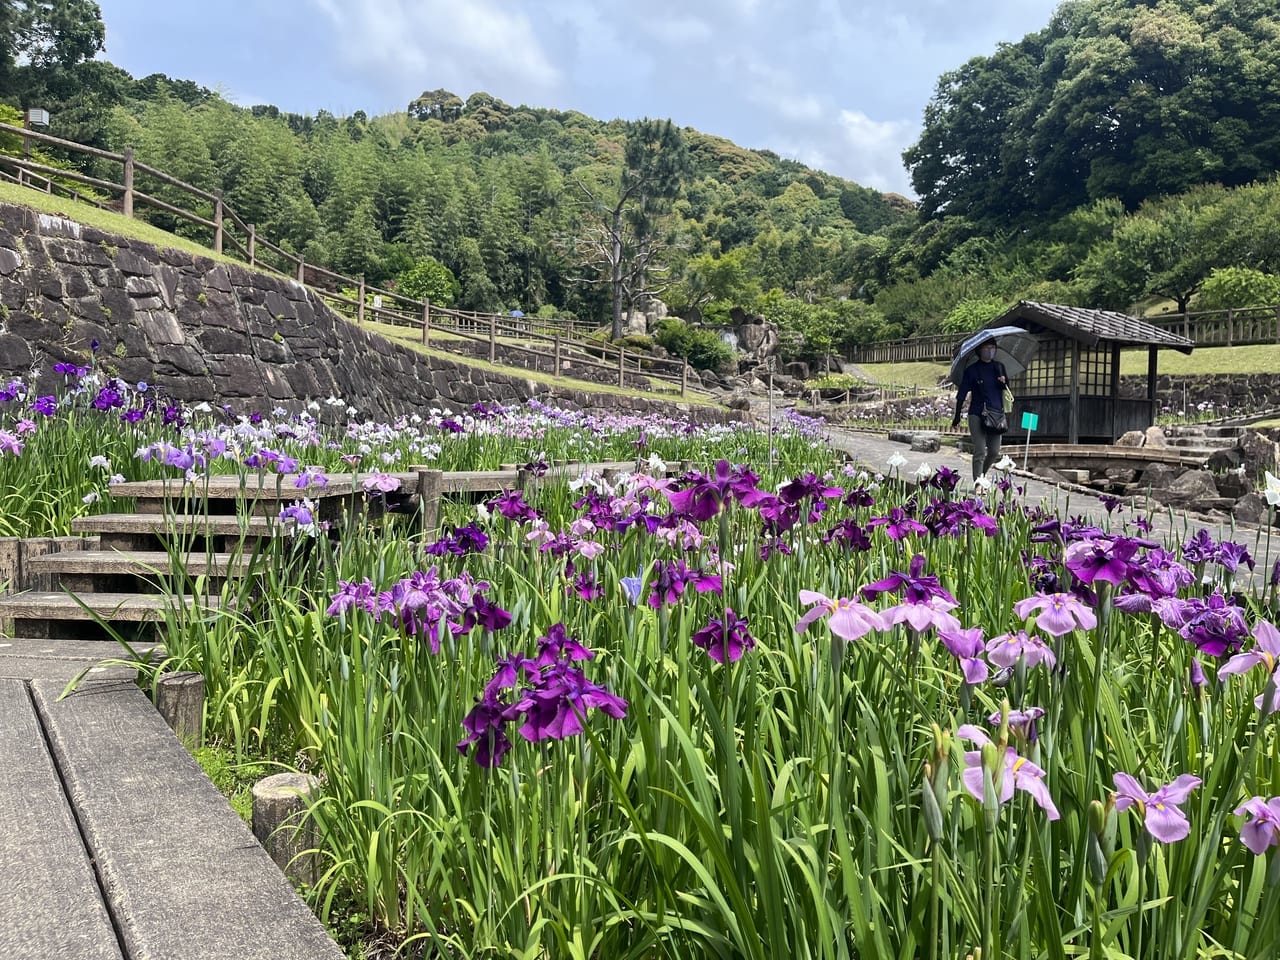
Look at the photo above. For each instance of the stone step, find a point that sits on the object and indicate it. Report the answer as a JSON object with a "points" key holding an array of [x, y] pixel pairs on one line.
{"points": [[111, 607], [1203, 443], [1224, 430], [52, 904], [178, 867]]}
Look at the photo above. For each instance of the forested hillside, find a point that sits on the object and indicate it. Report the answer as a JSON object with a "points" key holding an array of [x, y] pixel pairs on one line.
{"points": [[1127, 150]]}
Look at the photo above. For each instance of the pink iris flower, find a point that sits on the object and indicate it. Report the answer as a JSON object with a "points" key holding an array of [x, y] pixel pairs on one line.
{"points": [[1160, 809], [847, 619], [967, 647], [1058, 613], [1262, 830], [1019, 773]]}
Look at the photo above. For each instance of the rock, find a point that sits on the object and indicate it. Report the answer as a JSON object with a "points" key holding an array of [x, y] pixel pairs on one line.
{"points": [[1250, 508], [902, 436], [1159, 474], [1192, 489], [635, 324], [1134, 438], [738, 400], [1223, 460], [9, 261], [1049, 474], [1233, 484], [796, 369], [1121, 474], [926, 442], [1259, 453], [1156, 437], [1080, 477]]}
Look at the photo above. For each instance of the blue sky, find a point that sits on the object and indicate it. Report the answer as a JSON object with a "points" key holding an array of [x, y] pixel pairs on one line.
{"points": [[838, 85]]}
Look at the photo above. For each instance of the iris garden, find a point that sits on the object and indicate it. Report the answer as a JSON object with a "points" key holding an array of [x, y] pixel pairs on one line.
{"points": [[769, 703]]}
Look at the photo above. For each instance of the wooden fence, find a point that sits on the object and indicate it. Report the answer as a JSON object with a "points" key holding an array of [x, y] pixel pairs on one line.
{"points": [[1235, 327], [562, 348]]}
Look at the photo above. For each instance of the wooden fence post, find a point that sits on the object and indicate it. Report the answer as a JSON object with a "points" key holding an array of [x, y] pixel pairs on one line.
{"points": [[556, 369], [253, 244], [126, 201], [360, 304], [493, 339], [430, 489], [622, 353], [426, 320], [1231, 314], [217, 221], [684, 377]]}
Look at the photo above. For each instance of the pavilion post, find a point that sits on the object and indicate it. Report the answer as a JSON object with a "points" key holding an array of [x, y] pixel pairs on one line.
{"points": [[1073, 416]]}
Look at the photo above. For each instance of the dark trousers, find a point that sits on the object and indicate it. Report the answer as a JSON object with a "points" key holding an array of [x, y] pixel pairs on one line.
{"points": [[986, 446]]}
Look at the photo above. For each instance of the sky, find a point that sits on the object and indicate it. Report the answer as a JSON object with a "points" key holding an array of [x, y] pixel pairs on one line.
{"points": [[836, 84]]}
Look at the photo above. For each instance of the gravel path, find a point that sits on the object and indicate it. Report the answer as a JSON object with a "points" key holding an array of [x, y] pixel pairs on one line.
{"points": [[875, 450]]}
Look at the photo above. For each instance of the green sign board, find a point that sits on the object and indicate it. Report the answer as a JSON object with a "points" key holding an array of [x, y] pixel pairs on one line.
{"points": [[1030, 421]]}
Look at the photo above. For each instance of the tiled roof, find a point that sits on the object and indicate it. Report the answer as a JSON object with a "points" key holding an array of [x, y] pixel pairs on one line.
{"points": [[1092, 326]]}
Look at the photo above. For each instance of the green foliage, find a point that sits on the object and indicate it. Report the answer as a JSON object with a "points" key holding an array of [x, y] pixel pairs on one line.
{"points": [[431, 279], [1234, 287], [973, 314], [702, 348]]}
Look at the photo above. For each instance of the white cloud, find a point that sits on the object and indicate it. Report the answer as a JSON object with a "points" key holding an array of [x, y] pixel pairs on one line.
{"points": [[413, 44], [680, 30], [874, 150]]}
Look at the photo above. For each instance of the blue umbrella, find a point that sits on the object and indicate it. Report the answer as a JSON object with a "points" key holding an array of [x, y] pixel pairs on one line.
{"points": [[517, 313], [1014, 348]]}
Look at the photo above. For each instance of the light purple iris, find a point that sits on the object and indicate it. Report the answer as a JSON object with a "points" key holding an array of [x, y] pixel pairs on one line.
{"points": [[1059, 613], [380, 483], [967, 647], [1265, 653], [1104, 559], [847, 619], [922, 614], [1005, 650], [1161, 810], [1019, 774], [1262, 830]]}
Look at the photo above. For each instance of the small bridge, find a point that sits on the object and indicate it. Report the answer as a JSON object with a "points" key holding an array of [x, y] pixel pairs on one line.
{"points": [[1089, 456]]}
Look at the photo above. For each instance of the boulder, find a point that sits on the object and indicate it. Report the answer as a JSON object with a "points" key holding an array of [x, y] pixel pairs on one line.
{"points": [[1156, 438], [797, 369], [902, 436], [1259, 453], [926, 441], [1159, 474], [1223, 460], [1134, 438], [1048, 473], [1121, 474], [1234, 484], [1193, 490], [1250, 508], [738, 400], [635, 324]]}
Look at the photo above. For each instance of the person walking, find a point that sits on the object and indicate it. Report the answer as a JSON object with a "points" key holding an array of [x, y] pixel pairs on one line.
{"points": [[983, 385]]}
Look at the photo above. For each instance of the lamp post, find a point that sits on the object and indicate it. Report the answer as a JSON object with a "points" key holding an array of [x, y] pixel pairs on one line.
{"points": [[33, 117]]}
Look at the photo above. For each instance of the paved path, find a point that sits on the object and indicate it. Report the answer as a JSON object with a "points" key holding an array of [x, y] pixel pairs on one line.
{"points": [[875, 450]]}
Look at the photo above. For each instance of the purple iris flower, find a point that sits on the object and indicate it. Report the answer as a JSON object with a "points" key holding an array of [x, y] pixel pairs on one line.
{"points": [[1200, 549], [586, 587], [1215, 625], [1058, 613], [1018, 773], [1104, 559], [1160, 810], [724, 638], [353, 595], [1266, 653], [1022, 723], [915, 586], [897, 524], [809, 486], [560, 703], [967, 647], [670, 579], [847, 534], [920, 615], [108, 398], [859, 497], [486, 726], [486, 614], [558, 645], [46, 406], [707, 494], [1263, 827], [511, 504], [1230, 555], [1159, 574]]}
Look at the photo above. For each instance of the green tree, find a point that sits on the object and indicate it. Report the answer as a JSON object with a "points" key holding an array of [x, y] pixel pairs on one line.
{"points": [[431, 280]]}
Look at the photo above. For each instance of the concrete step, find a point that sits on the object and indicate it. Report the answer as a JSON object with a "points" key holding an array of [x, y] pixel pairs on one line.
{"points": [[52, 904], [180, 871], [112, 607], [1224, 430]]}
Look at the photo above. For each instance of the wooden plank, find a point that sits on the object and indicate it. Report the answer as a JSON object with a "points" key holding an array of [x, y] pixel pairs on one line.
{"points": [[180, 870], [50, 904]]}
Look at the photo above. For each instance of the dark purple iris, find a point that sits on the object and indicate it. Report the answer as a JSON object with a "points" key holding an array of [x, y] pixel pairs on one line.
{"points": [[486, 614], [586, 587], [897, 524], [809, 486], [511, 504], [859, 497], [1200, 549], [724, 638], [1101, 559], [705, 495], [108, 398], [46, 406], [670, 579], [1214, 624], [1231, 555], [778, 515], [847, 534], [451, 426], [915, 586]]}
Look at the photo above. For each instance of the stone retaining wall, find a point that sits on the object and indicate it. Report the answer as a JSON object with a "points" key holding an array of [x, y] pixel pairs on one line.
{"points": [[1230, 394], [198, 329]]}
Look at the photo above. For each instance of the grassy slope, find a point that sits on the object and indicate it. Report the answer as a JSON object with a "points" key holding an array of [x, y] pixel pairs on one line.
{"points": [[138, 230], [1208, 360]]}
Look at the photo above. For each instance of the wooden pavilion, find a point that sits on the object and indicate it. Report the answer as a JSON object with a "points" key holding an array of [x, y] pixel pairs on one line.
{"points": [[1073, 382]]}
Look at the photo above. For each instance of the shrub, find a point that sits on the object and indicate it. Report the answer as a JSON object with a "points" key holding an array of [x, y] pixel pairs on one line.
{"points": [[702, 348], [1233, 287]]}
